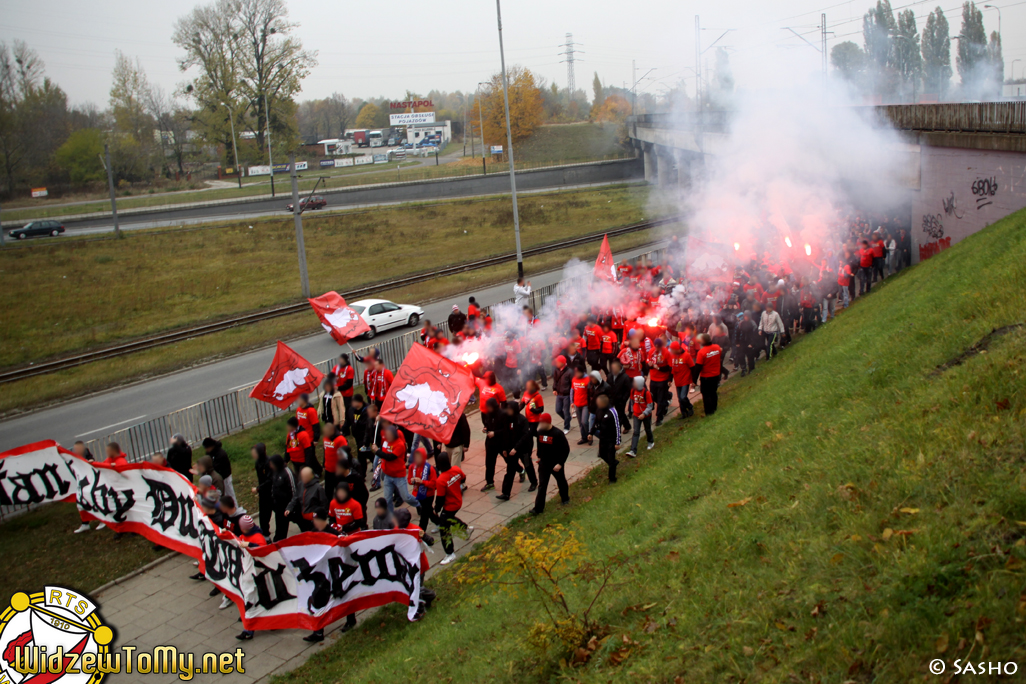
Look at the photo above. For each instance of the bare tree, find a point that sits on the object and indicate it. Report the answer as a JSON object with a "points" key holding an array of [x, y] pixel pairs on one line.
{"points": [[339, 114], [173, 123]]}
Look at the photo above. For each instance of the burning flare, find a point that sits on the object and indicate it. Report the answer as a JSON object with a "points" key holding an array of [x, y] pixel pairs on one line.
{"points": [[653, 322], [808, 250], [787, 240], [737, 246], [470, 358]]}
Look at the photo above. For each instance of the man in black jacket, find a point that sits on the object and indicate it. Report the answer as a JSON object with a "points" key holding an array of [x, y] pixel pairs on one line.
{"points": [[459, 442], [494, 427], [348, 472], [562, 375], [620, 383], [457, 321], [553, 450], [222, 464], [607, 429], [309, 497], [179, 456], [517, 450], [749, 343]]}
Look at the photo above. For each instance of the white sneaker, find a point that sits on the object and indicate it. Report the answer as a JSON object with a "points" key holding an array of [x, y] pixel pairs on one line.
{"points": [[566, 432], [631, 454], [651, 445], [195, 564], [84, 527], [225, 603], [449, 559]]}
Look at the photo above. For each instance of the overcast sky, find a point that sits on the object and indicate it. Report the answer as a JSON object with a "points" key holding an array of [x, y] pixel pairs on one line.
{"points": [[383, 49]]}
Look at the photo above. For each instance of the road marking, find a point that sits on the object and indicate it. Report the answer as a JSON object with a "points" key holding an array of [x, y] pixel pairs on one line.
{"points": [[248, 384], [110, 426]]}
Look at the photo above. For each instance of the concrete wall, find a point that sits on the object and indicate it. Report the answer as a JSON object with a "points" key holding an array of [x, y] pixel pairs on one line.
{"points": [[962, 191]]}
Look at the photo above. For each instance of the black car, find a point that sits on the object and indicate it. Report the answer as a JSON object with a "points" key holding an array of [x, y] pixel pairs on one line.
{"points": [[309, 204], [37, 229]]}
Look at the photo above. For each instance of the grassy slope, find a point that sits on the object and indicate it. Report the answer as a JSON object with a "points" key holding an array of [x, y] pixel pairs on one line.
{"points": [[830, 442], [568, 143]]}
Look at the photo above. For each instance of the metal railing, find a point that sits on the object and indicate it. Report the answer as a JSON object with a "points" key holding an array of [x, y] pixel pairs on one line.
{"points": [[236, 411], [977, 117]]}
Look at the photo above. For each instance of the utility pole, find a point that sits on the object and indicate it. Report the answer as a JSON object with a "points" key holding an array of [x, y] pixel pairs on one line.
{"points": [[698, 62], [509, 142], [2, 243], [569, 53], [110, 184], [634, 86], [270, 159], [235, 148], [480, 113], [823, 42], [298, 217]]}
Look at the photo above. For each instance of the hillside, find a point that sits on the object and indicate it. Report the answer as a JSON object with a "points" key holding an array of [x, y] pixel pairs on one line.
{"points": [[854, 510]]}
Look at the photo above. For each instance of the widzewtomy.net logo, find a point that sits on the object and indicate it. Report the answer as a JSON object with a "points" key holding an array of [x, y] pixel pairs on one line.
{"points": [[56, 635]]}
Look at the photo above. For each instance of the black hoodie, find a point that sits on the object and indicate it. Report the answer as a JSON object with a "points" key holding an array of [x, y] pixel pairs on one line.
{"points": [[283, 483], [222, 464], [518, 434], [263, 473], [179, 457]]}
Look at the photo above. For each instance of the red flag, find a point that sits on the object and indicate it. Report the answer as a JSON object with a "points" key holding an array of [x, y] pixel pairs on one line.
{"points": [[428, 394], [605, 266], [289, 376], [340, 320]]}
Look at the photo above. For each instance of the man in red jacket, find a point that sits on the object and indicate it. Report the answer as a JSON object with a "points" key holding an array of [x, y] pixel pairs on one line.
{"points": [[448, 502], [593, 343], [681, 364], [879, 255], [709, 359], [377, 379], [660, 363], [393, 467], [865, 267]]}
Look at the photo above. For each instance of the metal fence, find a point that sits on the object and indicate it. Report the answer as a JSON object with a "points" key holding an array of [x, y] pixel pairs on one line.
{"points": [[237, 411], [977, 117]]}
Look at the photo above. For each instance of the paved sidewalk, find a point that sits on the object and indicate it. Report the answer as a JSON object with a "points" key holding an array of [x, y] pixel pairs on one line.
{"points": [[162, 606]]}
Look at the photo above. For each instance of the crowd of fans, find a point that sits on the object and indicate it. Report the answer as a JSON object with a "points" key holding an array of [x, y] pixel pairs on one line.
{"points": [[613, 369]]}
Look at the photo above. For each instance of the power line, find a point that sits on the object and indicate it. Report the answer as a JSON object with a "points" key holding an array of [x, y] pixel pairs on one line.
{"points": [[569, 52]]}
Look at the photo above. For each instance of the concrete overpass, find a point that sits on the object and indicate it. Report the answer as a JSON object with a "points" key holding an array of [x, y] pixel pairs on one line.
{"points": [[966, 163]]}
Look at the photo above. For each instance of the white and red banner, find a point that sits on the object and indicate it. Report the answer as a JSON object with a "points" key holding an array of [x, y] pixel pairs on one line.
{"points": [[338, 318], [289, 376], [304, 582], [428, 394]]}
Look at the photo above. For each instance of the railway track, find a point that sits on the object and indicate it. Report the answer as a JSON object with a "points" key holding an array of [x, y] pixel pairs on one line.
{"points": [[298, 307]]}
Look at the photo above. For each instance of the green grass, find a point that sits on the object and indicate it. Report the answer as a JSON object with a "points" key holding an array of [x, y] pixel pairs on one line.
{"points": [[102, 291], [569, 143], [878, 523]]}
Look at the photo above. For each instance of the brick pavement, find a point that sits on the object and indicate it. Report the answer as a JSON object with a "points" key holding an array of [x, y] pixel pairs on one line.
{"points": [[162, 606]]}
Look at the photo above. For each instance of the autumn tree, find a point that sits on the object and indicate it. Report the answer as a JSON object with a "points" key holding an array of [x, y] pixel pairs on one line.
{"points": [[371, 116], [245, 54], [132, 142], [525, 106], [614, 109]]}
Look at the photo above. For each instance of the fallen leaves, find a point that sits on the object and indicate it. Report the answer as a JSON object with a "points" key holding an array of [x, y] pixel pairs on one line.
{"points": [[836, 558], [942, 643], [819, 609], [848, 492], [909, 511], [742, 502]]}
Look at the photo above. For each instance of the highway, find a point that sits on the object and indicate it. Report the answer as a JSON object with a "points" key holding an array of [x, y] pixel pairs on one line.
{"points": [[94, 416], [365, 196]]}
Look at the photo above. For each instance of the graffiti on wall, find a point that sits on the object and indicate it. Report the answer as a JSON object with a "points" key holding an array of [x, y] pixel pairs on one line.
{"points": [[950, 207], [931, 248], [984, 189], [932, 226]]}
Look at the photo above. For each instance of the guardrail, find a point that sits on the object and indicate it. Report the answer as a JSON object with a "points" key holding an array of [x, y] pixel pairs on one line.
{"points": [[976, 117], [236, 411]]}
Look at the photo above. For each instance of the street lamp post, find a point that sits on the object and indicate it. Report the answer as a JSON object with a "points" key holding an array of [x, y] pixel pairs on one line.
{"points": [[267, 122], [995, 7], [235, 149], [480, 114], [509, 142]]}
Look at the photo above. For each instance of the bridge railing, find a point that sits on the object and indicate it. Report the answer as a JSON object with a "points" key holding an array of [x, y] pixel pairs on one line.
{"points": [[971, 117]]}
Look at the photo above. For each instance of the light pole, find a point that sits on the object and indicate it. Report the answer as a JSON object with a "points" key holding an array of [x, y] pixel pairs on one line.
{"points": [[995, 7], [509, 142], [480, 114], [267, 122], [235, 149]]}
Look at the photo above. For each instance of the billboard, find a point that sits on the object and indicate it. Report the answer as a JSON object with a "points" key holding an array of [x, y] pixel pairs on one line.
{"points": [[278, 168], [348, 161], [380, 158], [496, 149], [327, 163], [411, 118], [365, 159], [410, 104], [39, 192]]}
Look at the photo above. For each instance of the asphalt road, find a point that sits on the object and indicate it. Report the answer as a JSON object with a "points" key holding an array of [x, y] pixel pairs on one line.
{"points": [[367, 196], [103, 413]]}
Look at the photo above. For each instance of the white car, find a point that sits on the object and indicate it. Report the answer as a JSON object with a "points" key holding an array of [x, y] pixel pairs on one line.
{"points": [[381, 314]]}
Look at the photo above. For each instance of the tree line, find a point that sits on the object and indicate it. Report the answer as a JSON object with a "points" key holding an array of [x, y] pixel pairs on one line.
{"points": [[898, 63]]}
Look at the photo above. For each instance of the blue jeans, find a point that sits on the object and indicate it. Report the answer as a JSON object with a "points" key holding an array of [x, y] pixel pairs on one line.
{"points": [[829, 308], [582, 420], [845, 300], [397, 484], [563, 410]]}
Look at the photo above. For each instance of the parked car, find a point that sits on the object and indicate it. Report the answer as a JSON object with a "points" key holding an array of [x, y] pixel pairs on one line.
{"points": [[381, 314], [315, 202], [37, 229]]}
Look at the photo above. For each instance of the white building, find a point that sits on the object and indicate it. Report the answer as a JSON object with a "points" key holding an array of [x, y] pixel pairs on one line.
{"points": [[416, 133], [336, 146]]}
